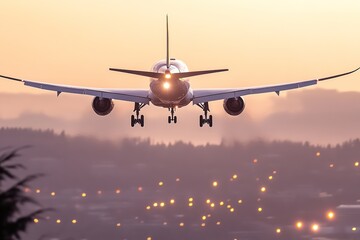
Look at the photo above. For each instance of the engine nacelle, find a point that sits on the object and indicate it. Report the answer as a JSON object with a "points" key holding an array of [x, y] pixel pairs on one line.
{"points": [[102, 106], [234, 106]]}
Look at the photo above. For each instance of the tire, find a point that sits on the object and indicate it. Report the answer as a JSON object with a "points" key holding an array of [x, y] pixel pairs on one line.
{"points": [[169, 119], [210, 121], [175, 119], [201, 120], [142, 120], [132, 120]]}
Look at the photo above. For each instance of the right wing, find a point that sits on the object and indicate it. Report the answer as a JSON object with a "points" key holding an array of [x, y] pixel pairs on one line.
{"points": [[139, 96]]}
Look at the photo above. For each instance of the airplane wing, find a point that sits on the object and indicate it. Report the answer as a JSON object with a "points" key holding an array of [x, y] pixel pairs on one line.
{"points": [[207, 95], [139, 96]]}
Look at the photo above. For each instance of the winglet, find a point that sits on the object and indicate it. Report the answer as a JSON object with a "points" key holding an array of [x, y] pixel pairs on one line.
{"points": [[339, 75], [167, 43]]}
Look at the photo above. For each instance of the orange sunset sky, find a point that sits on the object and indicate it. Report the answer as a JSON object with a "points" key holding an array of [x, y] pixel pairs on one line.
{"points": [[261, 42]]}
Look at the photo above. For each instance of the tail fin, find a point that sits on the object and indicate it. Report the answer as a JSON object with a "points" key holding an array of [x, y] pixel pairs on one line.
{"points": [[167, 44]]}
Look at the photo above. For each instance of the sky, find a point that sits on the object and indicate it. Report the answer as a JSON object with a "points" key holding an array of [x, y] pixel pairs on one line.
{"points": [[261, 42]]}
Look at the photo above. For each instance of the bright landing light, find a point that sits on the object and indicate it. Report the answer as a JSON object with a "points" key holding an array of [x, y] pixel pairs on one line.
{"points": [[167, 75], [166, 85]]}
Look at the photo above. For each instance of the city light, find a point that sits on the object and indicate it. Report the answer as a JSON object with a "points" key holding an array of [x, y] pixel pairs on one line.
{"points": [[270, 177], [58, 221], [83, 195], [232, 209], [260, 209], [356, 164], [299, 225], [218, 223], [318, 154], [36, 220], [278, 230], [161, 184], [354, 229], [117, 191], [330, 215], [37, 191], [172, 201], [191, 204], [162, 204], [148, 238], [148, 207], [203, 225], [315, 227], [212, 205], [240, 201], [181, 224], [215, 184], [99, 192], [208, 201], [221, 203], [74, 221], [263, 189], [234, 176], [53, 194], [191, 199], [155, 204], [203, 218]]}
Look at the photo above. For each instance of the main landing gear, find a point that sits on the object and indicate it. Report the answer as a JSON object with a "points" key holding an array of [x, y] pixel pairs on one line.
{"points": [[136, 119], [172, 118], [204, 118]]}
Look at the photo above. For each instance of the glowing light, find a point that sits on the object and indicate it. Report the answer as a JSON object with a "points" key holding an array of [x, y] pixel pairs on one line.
{"points": [[203, 225], [37, 191], [148, 207], [148, 238], [228, 206], [278, 230], [263, 189], [232, 209], [118, 191], [99, 192], [356, 164], [140, 189], [354, 229], [274, 172], [162, 204], [234, 176], [172, 201], [27, 190], [53, 194], [191, 199], [318, 154], [74, 221], [178, 180], [208, 201], [161, 184], [212, 205], [330, 215], [165, 223], [260, 209], [203, 218], [270, 177], [315, 227], [58, 221], [155, 204], [218, 223], [255, 161], [240, 201], [181, 224], [166, 85], [167, 75], [83, 195], [331, 165], [36, 220], [191, 204], [215, 184], [221, 203], [299, 225]]}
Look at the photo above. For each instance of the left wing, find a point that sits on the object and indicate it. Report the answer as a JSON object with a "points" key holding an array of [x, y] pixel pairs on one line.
{"points": [[139, 96], [207, 95]]}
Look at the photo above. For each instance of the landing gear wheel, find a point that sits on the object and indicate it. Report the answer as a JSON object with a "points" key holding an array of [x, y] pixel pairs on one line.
{"points": [[210, 121], [201, 120], [169, 119], [132, 120], [142, 120], [175, 119]]}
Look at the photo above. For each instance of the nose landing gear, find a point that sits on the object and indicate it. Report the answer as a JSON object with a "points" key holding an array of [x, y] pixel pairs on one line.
{"points": [[172, 118], [204, 119]]}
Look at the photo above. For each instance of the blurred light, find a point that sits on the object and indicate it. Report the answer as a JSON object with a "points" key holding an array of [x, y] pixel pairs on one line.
{"points": [[191, 199], [58, 221], [191, 204], [274, 172], [148, 207], [315, 227], [140, 189], [203, 224], [278, 230], [270, 177], [240, 201], [208, 201], [53, 194], [37, 191], [212, 205], [218, 223], [99, 192], [27, 190], [118, 225], [181, 224], [148, 238], [260, 209], [228, 206], [299, 225], [155, 204], [331, 165], [203, 218], [255, 161], [74, 221], [215, 184], [178, 180], [161, 184], [172, 201], [166, 85], [263, 189], [221, 203], [83, 195], [167, 75], [354, 229], [234, 176], [165, 223], [330, 215], [117, 191], [318, 154], [162, 204], [209, 215], [36, 220], [356, 164], [232, 209]]}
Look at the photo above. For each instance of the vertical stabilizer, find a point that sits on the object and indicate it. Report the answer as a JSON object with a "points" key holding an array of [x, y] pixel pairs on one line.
{"points": [[167, 43]]}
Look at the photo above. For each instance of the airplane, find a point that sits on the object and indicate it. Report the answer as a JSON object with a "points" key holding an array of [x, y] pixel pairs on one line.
{"points": [[170, 88]]}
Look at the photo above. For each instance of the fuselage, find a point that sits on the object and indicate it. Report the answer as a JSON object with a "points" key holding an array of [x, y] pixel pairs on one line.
{"points": [[169, 91]]}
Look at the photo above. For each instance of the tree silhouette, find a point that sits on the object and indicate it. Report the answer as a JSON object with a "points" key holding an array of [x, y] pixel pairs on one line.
{"points": [[13, 198]]}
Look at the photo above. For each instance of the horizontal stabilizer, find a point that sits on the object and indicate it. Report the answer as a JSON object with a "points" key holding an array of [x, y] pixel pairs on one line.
{"points": [[140, 73], [197, 73]]}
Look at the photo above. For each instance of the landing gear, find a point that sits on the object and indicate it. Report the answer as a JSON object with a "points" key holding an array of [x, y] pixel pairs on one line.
{"points": [[204, 118], [137, 119], [172, 118]]}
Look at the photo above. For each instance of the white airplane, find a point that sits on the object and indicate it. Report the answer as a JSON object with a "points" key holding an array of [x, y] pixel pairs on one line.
{"points": [[170, 88]]}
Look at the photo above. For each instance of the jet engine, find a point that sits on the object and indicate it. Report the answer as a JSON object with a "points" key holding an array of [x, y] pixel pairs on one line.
{"points": [[102, 106], [234, 106]]}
